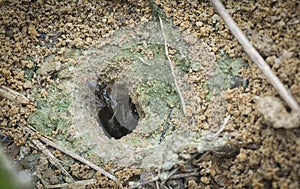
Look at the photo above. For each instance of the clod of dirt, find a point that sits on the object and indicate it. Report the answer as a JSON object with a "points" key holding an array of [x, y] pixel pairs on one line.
{"points": [[276, 115]]}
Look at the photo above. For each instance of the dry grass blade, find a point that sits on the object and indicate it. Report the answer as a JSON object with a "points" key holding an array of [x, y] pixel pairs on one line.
{"points": [[73, 155], [255, 56], [77, 184], [144, 183], [12, 95], [174, 171], [141, 59], [53, 160], [184, 175], [211, 137], [171, 67]]}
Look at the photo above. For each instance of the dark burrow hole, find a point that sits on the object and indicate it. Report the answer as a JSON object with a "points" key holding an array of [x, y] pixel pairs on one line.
{"points": [[117, 115], [117, 127]]}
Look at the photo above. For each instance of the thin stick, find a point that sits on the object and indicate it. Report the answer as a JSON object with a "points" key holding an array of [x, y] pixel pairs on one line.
{"points": [[157, 185], [171, 67], [144, 183], [76, 184], [73, 155], [255, 56], [13, 95], [53, 160], [184, 175], [141, 59]]}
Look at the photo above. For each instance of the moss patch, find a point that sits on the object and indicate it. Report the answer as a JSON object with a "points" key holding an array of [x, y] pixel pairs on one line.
{"points": [[52, 114], [226, 75]]}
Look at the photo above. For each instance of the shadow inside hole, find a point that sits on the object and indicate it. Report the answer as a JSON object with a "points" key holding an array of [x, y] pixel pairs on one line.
{"points": [[118, 121]]}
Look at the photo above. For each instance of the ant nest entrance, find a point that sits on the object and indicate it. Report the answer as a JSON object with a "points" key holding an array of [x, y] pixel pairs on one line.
{"points": [[116, 113], [122, 119], [125, 103]]}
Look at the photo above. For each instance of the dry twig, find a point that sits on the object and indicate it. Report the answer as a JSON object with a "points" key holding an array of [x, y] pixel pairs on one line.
{"points": [[53, 160], [171, 67], [77, 184], [255, 56], [172, 173], [142, 60], [12, 95], [73, 155], [144, 183], [184, 175]]}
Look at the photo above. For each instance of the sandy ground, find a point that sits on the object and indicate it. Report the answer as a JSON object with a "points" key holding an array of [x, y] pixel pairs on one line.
{"points": [[36, 38]]}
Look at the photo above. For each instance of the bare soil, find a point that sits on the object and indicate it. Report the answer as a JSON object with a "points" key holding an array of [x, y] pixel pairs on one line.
{"points": [[50, 49]]}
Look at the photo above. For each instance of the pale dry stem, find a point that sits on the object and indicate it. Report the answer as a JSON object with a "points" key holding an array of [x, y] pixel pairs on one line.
{"points": [[13, 95], [215, 135], [255, 56], [76, 184], [73, 155], [144, 183], [53, 160], [171, 67]]}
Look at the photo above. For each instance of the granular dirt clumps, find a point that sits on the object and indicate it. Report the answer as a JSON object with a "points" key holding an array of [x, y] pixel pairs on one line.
{"points": [[30, 32], [276, 115]]}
